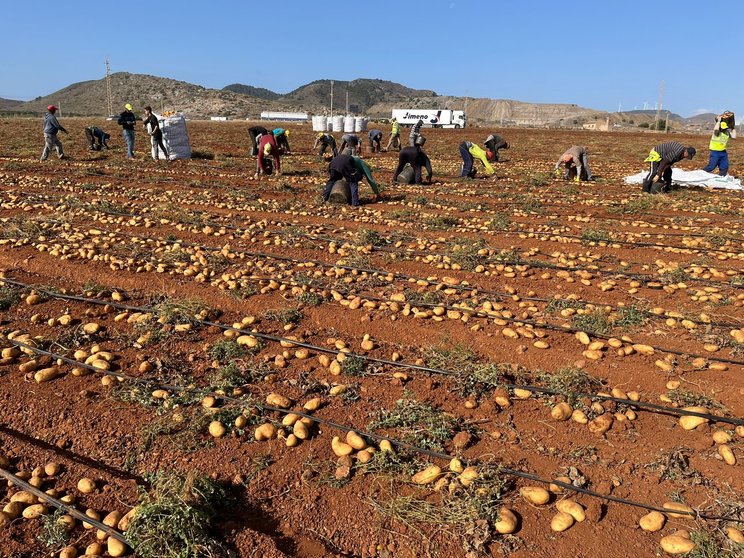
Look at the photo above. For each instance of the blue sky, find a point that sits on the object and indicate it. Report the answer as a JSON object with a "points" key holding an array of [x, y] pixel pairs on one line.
{"points": [[597, 54]]}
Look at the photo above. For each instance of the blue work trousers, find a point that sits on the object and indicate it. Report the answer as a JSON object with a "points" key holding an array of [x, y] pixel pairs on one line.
{"points": [[718, 159], [129, 139]]}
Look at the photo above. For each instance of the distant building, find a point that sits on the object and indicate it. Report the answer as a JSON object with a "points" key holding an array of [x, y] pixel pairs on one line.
{"points": [[219, 118], [284, 116], [598, 126]]}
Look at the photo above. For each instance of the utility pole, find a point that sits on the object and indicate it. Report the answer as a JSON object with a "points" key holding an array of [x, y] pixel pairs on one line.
{"points": [[666, 123], [660, 104], [331, 98], [347, 101], [108, 88]]}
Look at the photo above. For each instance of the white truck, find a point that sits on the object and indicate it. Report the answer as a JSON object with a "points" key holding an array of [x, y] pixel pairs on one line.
{"points": [[431, 118]]}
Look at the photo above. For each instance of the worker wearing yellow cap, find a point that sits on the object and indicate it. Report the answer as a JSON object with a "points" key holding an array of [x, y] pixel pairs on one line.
{"points": [[128, 121], [268, 148], [325, 140], [722, 132]]}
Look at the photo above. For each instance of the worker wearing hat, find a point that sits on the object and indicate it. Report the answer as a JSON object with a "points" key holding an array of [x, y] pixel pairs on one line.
{"points": [[718, 144], [493, 143], [394, 139], [661, 158], [267, 148], [281, 137], [575, 160], [51, 127], [325, 140], [128, 121]]}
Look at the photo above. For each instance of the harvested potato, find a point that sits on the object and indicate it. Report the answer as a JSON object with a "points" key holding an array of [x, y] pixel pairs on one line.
{"points": [[340, 448], [24, 498], [727, 453], [652, 521], [507, 522], [217, 429], [676, 544], [13, 509], [313, 404], [468, 475], [46, 374], [115, 547], [5, 519], [94, 549], [574, 509], [34, 511], [535, 495], [300, 430], [562, 411], [690, 422], [677, 506], [561, 521], [355, 440], [721, 437], [365, 456], [386, 445], [428, 475], [68, 552], [277, 400], [266, 431], [735, 535], [601, 424]]}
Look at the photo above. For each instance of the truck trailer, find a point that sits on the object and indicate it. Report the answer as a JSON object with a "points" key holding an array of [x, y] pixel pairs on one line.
{"points": [[431, 118]]}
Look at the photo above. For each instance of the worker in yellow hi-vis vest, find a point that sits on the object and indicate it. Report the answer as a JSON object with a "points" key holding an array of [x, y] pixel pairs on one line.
{"points": [[394, 135], [718, 144]]}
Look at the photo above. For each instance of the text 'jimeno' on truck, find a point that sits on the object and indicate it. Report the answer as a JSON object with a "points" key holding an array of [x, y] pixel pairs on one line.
{"points": [[431, 118]]}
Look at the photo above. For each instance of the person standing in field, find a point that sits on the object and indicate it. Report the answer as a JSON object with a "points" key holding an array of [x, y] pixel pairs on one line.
{"points": [[326, 141], [722, 133], [152, 126], [375, 141], [575, 159], [128, 121], [415, 133], [51, 128], [661, 158], [394, 139]]}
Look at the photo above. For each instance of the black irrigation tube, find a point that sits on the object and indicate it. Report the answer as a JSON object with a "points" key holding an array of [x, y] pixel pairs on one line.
{"points": [[507, 232], [369, 435], [539, 265], [420, 368], [406, 277], [11, 478]]}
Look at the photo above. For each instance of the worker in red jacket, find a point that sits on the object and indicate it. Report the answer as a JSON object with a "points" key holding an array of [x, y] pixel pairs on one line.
{"points": [[267, 148]]}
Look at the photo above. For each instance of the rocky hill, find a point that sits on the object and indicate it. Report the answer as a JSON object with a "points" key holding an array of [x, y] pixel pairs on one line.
{"points": [[258, 92], [8, 103], [88, 98]]}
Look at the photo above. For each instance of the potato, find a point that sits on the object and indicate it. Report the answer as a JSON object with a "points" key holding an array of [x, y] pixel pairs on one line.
{"points": [[68, 552], [721, 437], [574, 509], [13, 509], [507, 522], [94, 515], [67, 521], [676, 544], [646, 350], [277, 400], [94, 549], [266, 431], [123, 524], [4, 519], [690, 422], [535, 495], [428, 475], [34, 511], [51, 469], [24, 498], [652, 521], [86, 485], [601, 424], [115, 547], [386, 445], [340, 448], [562, 411], [456, 466], [301, 430], [313, 404], [521, 393], [579, 416], [556, 488], [735, 535], [468, 475], [561, 521], [217, 429], [46, 374], [678, 507], [727, 453], [365, 456], [355, 440]]}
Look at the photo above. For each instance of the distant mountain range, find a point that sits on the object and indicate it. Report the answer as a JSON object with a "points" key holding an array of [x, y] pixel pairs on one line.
{"points": [[373, 97]]}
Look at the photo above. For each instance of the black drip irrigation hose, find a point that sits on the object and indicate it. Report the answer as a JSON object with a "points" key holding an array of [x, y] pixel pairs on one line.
{"points": [[507, 232], [417, 367], [11, 478], [382, 272], [369, 435]]}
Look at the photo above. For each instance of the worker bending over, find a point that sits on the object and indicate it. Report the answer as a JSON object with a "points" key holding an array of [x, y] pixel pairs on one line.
{"points": [[343, 166], [661, 159], [493, 143], [367, 172], [375, 141], [255, 133], [267, 148], [97, 138], [352, 143], [469, 152], [325, 140], [281, 137], [575, 160], [415, 157], [394, 135], [722, 132]]}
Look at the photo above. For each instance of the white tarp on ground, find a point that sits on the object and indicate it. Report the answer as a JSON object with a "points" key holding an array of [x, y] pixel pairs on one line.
{"points": [[698, 178], [175, 137]]}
